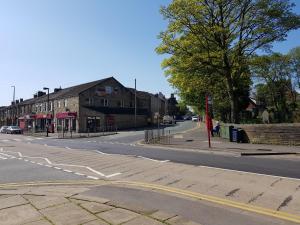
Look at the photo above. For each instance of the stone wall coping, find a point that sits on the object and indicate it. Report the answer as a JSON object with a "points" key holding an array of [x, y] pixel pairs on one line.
{"points": [[263, 125]]}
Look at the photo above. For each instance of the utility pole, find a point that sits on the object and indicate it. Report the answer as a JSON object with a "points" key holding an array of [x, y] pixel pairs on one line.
{"points": [[13, 104], [14, 93], [47, 124], [135, 103]]}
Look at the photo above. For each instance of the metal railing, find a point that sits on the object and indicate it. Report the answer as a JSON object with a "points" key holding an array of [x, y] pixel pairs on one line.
{"points": [[157, 136], [100, 131]]}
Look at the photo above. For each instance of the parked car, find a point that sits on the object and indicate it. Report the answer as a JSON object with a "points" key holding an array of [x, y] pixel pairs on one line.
{"points": [[14, 130], [187, 117], [3, 129], [195, 118], [168, 120]]}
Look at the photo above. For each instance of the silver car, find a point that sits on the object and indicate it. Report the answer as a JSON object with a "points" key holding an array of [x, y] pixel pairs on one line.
{"points": [[14, 130], [3, 129]]}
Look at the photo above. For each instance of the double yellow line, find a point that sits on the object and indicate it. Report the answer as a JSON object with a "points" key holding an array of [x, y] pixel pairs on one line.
{"points": [[220, 201]]}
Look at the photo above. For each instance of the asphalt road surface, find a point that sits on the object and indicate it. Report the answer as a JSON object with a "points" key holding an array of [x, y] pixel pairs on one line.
{"points": [[124, 143]]}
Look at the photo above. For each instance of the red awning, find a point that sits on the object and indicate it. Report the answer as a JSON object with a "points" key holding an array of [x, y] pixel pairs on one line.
{"points": [[44, 116], [27, 117], [63, 115]]}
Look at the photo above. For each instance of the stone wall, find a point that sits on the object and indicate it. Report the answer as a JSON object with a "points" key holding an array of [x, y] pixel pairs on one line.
{"points": [[281, 134]]}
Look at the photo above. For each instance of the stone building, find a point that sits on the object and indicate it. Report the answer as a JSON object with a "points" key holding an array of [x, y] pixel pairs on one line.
{"points": [[87, 107], [172, 108]]}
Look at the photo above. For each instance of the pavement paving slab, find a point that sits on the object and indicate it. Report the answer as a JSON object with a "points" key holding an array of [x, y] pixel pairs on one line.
{"points": [[95, 207], [41, 202], [19, 215], [161, 215], [12, 201], [96, 222], [67, 214], [141, 220], [39, 222], [90, 198], [178, 220], [118, 215]]}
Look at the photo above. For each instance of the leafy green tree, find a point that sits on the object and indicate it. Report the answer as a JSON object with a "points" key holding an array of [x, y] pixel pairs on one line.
{"points": [[294, 54], [209, 43], [274, 72]]}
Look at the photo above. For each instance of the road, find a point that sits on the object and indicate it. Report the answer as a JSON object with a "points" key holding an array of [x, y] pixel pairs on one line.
{"points": [[118, 157], [124, 143]]}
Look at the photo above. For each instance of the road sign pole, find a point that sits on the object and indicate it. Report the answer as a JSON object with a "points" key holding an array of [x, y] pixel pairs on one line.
{"points": [[207, 119]]}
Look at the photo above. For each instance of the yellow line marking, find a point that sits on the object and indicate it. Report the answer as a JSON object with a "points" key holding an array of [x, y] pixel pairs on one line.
{"points": [[220, 201], [247, 207]]}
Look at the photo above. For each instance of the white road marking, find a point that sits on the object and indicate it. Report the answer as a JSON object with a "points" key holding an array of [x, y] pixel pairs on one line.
{"points": [[68, 171], [6, 155], [1, 157], [57, 164], [161, 161], [103, 153], [242, 172], [39, 138], [79, 174], [67, 148], [112, 175], [17, 139], [55, 167], [5, 140], [94, 178]]}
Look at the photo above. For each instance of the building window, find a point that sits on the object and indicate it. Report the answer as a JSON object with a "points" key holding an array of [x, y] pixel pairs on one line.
{"points": [[51, 106], [91, 101], [105, 103], [66, 103]]}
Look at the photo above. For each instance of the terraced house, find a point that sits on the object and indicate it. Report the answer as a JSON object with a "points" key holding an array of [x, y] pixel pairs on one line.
{"points": [[88, 107]]}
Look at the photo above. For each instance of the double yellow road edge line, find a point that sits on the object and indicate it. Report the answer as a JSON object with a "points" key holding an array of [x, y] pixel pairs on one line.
{"points": [[220, 201]]}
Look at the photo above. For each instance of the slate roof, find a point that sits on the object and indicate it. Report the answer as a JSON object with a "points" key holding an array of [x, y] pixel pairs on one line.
{"points": [[66, 92]]}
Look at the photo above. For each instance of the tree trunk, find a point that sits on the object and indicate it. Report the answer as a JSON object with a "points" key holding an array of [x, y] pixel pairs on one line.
{"points": [[234, 116]]}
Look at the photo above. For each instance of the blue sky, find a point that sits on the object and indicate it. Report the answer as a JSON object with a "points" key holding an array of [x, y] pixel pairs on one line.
{"points": [[66, 42]]}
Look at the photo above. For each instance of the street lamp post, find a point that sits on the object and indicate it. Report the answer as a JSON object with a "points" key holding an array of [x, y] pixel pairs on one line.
{"points": [[13, 104], [135, 105], [47, 125]]}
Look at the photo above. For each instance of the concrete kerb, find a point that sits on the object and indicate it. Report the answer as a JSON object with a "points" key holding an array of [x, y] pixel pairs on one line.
{"points": [[206, 151], [202, 197], [268, 153], [217, 151]]}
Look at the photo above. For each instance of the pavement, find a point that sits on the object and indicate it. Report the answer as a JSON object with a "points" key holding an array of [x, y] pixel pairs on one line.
{"points": [[178, 183], [197, 140], [263, 199], [69, 205]]}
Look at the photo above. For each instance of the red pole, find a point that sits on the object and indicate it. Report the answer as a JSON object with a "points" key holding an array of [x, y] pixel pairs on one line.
{"points": [[207, 120]]}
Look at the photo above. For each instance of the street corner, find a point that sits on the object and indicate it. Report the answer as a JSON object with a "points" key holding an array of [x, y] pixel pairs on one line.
{"points": [[37, 205]]}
